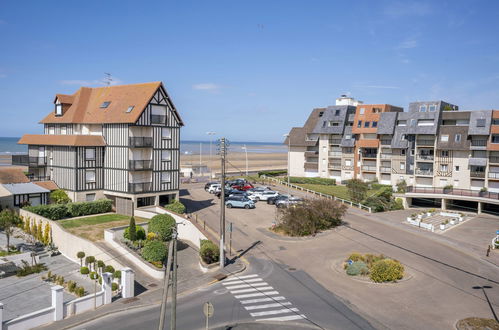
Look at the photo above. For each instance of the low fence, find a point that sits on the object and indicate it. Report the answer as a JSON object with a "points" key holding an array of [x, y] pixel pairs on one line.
{"points": [[341, 200]]}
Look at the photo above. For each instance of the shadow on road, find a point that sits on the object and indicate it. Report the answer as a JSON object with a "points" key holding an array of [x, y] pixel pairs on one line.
{"points": [[231, 261], [194, 206]]}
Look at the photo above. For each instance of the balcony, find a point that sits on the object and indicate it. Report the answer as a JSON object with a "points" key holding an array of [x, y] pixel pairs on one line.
{"points": [[158, 119], [140, 142], [369, 155], [386, 156], [311, 153], [425, 157], [368, 168], [424, 171], [385, 169], [25, 160], [334, 141], [386, 142], [140, 165], [478, 143], [334, 166], [425, 142], [335, 154], [141, 187], [476, 174], [494, 159], [494, 175]]}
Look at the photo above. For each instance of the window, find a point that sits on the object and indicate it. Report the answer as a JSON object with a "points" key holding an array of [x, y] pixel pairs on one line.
{"points": [[480, 123], [432, 108], [376, 110], [361, 111], [375, 124], [412, 152], [165, 177], [495, 138], [321, 113], [443, 167], [402, 166], [58, 109], [444, 138], [413, 122], [495, 121], [166, 155], [105, 104], [348, 137], [166, 133], [63, 130], [366, 124], [457, 138], [89, 154], [324, 124], [422, 108], [90, 197], [130, 108], [348, 162], [401, 122], [90, 176], [425, 122], [402, 152], [402, 137], [334, 124], [337, 112], [444, 153], [456, 168], [158, 114], [51, 130], [359, 124]]}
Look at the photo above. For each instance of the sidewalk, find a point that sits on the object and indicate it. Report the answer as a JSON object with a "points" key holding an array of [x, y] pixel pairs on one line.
{"points": [[150, 297]]}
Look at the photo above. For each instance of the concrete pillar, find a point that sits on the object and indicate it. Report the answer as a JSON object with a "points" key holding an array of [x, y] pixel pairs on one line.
{"points": [[480, 206], [1, 316], [127, 283], [406, 202], [58, 302], [107, 280], [444, 204]]}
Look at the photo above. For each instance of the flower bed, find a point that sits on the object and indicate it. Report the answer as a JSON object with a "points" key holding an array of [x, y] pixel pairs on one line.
{"points": [[377, 268]]}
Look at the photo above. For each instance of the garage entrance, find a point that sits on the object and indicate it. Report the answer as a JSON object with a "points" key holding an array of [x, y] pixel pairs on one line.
{"points": [[468, 206], [427, 202]]}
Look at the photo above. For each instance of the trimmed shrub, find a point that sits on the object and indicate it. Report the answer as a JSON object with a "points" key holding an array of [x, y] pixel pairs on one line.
{"points": [[59, 196], [154, 251], [93, 275], [322, 181], [117, 274], [89, 260], [86, 208], [356, 257], [51, 211], [151, 236], [357, 268], [140, 233], [100, 264], [80, 291], [209, 252], [80, 255], [71, 286], [114, 286], [84, 270], [370, 259], [176, 206], [272, 173], [387, 270], [109, 269], [162, 225]]}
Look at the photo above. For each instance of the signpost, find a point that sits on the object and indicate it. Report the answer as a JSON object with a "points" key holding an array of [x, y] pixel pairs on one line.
{"points": [[230, 238], [208, 311]]}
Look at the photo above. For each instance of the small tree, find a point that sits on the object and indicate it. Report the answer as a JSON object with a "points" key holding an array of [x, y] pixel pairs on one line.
{"points": [[39, 232], [80, 256], [27, 225], [132, 234], [357, 189], [8, 221], [34, 230], [59, 196], [401, 186], [100, 265], [89, 261]]}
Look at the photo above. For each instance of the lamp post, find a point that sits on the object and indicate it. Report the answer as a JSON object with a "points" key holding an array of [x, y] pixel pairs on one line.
{"points": [[210, 134], [246, 152], [289, 149]]}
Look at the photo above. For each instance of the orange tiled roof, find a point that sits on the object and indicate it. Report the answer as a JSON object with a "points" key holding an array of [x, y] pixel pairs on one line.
{"points": [[50, 185], [12, 175], [63, 140], [85, 104]]}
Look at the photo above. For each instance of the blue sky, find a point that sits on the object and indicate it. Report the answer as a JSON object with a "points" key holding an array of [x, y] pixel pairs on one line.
{"points": [[248, 70]]}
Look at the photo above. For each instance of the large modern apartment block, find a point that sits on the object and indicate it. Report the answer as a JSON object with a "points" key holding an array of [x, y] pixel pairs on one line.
{"points": [[431, 145], [117, 142]]}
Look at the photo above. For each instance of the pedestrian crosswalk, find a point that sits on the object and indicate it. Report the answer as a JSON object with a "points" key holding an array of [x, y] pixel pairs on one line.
{"points": [[261, 300]]}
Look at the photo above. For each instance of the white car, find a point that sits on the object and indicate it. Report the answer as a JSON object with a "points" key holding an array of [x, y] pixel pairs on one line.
{"points": [[257, 189], [213, 188], [264, 195]]}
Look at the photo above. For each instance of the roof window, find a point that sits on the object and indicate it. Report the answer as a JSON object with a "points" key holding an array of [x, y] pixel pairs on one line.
{"points": [[130, 108], [105, 104]]}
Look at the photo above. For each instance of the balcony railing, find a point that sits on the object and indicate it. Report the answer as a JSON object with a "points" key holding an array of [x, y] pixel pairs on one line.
{"points": [[139, 187], [140, 142], [386, 142], [425, 142], [425, 157], [33, 177], [369, 168], [493, 175], [335, 154], [158, 119], [26, 160], [478, 143], [475, 174], [386, 156], [334, 166], [334, 141], [140, 165], [494, 159], [311, 153], [369, 155], [424, 171], [384, 169], [453, 191]]}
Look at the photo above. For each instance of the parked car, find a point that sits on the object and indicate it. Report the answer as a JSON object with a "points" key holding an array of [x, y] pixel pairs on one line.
{"points": [[273, 200], [256, 189], [208, 184], [228, 192], [289, 201], [242, 187], [213, 187], [264, 195], [239, 201]]}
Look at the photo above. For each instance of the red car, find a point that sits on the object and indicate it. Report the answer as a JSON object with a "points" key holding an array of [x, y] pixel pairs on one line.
{"points": [[241, 187]]}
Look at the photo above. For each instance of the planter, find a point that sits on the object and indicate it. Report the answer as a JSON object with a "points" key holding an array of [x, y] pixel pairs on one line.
{"points": [[460, 219], [442, 227], [429, 214], [207, 267], [453, 221]]}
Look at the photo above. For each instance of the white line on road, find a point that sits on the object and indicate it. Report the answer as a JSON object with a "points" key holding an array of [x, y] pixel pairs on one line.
{"points": [[283, 318], [251, 280], [259, 294], [259, 300], [277, 311], [252, 290], [249, 308], [246, 285], [247, 276]]}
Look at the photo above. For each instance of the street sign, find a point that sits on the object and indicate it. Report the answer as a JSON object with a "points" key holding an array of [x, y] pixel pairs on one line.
{"points": [[208, 309], [229, 227]]}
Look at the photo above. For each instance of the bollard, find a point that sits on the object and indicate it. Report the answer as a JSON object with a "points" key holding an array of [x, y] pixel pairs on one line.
{"points": [[58, 302], [1, 315], [127, 283]]}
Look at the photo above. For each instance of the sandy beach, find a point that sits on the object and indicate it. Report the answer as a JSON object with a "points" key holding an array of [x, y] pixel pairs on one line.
{"points": [[236, 161]]}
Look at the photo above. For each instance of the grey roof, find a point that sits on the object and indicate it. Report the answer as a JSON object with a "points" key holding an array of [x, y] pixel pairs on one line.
{"points": [[386, 123], [322, 127], [24, 188], [348, 142], [480, 114]]}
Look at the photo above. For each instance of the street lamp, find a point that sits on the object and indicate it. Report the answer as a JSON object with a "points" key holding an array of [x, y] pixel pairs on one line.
{"points": [[246, 151], [487, 297], [210, 134], [289, 149]]}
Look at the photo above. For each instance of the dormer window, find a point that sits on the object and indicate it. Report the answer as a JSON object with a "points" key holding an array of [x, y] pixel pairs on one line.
{"points": [[105, 104], [130, 108], [58, 109]]}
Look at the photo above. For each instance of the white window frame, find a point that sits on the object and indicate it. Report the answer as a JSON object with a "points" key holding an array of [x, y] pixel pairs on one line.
{"points": [[402, 165], [444, 138], [88, 176], [167, 136], [362, 111], [169, 155], [58, 109], [64, 130], [90, 153], [457, 138], [444, 167], [422, 108], [166, 180]]}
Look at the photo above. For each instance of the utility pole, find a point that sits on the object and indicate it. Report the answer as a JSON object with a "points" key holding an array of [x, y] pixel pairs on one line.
{"points": [[223, 154], [166, 284], [173, 319]]}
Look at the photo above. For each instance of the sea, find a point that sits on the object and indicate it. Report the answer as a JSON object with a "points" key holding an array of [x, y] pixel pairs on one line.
{"points": [[9, 146]]}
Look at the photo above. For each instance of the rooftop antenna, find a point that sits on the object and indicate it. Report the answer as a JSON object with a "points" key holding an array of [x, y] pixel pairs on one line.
{"points": [[108, 78]]}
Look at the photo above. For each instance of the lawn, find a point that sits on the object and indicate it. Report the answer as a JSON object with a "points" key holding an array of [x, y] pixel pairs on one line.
{"points": [[338, 191], [92, 228]]}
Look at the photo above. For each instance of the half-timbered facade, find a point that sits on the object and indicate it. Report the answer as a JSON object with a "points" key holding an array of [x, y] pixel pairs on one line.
{"points": [[118, 142]]}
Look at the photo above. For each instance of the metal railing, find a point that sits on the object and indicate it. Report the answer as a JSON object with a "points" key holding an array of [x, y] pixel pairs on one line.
{"points": [[335, 154], [30, 161], [386, 142], [479, 143], [386, 156], [453, 191], [33, 177], [141, 141], [494, 159], [158, 119], [341, 200], [425, 142], [369, 155], [384, 169], [139, 187], [493, 175], [420, 171], [334, 141], [371, 168], [424, 157], [476, 174], [140, 165], [334, 166]]}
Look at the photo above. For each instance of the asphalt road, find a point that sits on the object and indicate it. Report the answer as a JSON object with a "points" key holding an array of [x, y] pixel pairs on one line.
{"points": [[267, 296]]}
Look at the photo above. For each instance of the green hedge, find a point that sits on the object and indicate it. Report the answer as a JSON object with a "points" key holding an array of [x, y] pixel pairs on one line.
{"points": [[162, 225], [70, 210], [140, 233], [322, 181], [176, 206], [154, 251], [209, 251], [272, 173], [387, 270]]}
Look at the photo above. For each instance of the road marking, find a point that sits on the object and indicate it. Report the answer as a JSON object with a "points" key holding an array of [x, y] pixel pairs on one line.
{"points": [[249, 308], [254, 301], [284, 318], [252, 290], [247, 276], [259, 294], [251, 285], [242, 281], [277, 311]]}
